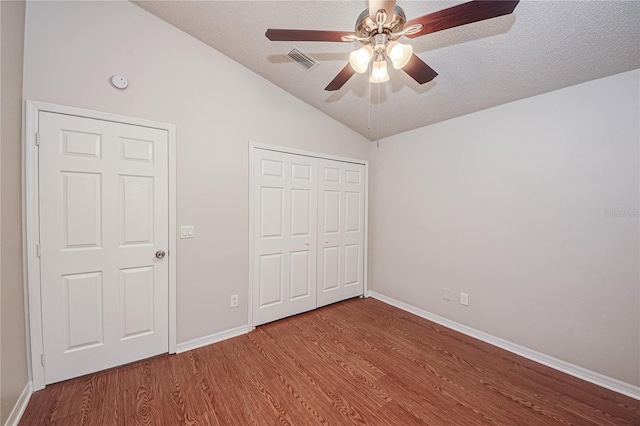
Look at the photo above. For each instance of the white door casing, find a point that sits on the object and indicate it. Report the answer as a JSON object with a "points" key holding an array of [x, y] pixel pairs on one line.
{"points": [[341, 222], [104, 213], [285, 236]]}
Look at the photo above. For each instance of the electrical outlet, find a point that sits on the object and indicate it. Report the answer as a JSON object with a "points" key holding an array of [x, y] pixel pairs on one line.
{"points": [[234, 300], [446, 294], [464, 299]]}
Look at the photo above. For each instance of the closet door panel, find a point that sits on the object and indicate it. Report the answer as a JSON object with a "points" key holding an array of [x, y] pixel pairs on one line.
{"points": [[285, 235], [341, 231]]}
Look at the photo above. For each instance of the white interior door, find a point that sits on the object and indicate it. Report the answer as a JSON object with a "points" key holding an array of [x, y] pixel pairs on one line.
{"points": [[285, 235], [103, 219], [341, 206]]}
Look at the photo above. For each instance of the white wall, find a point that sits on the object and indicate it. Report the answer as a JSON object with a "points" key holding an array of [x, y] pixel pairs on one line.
{"points": [[509, 205], [13, 350], [218, 106]]}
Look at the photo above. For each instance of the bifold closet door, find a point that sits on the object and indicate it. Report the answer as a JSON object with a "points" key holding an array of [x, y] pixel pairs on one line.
{"points": [[285, 235], [341, 231]]}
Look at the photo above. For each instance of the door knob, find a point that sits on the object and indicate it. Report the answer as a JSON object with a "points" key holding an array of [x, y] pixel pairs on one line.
{"points": [[306, 243], [160, 254], [326, 241]]}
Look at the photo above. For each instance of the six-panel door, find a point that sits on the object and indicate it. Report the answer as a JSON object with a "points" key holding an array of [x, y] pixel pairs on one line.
{"points": [[285, 235], [308, 216], [341, 231], [103, 189]]}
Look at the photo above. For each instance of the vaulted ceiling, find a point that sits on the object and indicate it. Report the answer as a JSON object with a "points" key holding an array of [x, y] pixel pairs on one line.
{"points": [[541, 47]]}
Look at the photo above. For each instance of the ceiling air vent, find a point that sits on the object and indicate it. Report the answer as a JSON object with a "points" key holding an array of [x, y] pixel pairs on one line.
{"points": [[302, 59]]}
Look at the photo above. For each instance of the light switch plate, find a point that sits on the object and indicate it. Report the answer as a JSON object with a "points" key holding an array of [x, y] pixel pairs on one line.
{"points": [[187, 231]]}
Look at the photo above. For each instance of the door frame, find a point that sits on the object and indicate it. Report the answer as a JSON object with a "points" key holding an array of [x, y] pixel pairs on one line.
{"points": [[31, 224], [252, 147]]}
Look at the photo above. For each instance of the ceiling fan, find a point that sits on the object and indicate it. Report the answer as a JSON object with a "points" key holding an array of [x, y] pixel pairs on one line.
{"points": [[380, 26]]}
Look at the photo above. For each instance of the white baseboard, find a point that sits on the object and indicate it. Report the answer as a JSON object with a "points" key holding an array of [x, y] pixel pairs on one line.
{"points": [[21, 405], [212, 338], [555, 363]]}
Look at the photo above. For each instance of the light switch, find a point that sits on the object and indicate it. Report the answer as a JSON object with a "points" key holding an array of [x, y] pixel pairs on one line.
{"points": [[187, 231]]}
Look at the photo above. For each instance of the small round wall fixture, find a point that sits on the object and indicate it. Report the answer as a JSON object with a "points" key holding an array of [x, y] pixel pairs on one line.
{"points": [[119, 81]]}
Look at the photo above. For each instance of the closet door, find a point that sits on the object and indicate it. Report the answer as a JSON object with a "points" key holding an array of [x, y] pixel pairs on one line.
{"points": [[341, 231], [285, 235]]}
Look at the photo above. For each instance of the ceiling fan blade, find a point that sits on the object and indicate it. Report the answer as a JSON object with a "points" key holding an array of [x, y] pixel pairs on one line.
{"points": [[462, 14], [419, 71], [340, 79], [305, 35], [386, 5]]}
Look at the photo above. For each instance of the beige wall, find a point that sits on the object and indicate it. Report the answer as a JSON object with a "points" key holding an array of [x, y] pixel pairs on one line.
{"points": [[510, 205], [13, 341], [218, 106], [507, 204]]}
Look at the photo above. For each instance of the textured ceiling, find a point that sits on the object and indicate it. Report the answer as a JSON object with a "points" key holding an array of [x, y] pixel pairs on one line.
{"points": [[543, 46]]}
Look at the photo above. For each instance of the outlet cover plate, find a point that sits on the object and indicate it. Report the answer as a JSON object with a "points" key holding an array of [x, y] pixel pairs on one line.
{"points": [[446, 294], [464, 299]]}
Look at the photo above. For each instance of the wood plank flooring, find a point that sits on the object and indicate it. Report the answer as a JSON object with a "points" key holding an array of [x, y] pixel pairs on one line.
{"points": [[355, 362]]}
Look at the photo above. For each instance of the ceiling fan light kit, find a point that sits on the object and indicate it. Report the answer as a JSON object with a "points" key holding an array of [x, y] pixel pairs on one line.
{"points": [[379, 72], [382, 49], [380, 26], [399, 54], [359, 59]]}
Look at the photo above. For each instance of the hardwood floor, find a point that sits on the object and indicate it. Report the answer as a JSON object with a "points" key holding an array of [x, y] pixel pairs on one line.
{"points": [[356, 362]]}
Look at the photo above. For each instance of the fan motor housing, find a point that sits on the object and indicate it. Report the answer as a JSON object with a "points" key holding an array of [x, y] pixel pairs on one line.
{"points": [[366, 28]]}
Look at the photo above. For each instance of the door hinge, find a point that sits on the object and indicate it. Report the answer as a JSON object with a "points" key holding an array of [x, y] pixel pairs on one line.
{"points": [[42, 359], [38, 253], [37, 138]]}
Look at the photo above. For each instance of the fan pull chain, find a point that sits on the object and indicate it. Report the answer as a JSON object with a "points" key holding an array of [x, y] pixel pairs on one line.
{"points": [[378, 113], [369, 112]]}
